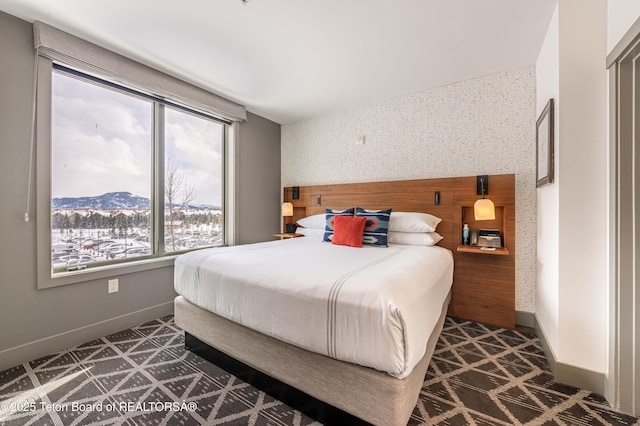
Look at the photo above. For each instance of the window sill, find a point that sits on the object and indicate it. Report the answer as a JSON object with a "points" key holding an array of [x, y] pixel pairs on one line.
{"points": [[101, 272]]}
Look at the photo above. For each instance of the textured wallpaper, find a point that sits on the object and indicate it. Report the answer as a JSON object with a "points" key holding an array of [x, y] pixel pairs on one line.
{"points": [[480, 126]]}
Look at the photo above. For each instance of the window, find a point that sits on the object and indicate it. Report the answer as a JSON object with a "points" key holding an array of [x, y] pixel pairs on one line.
{"points": [[132, 177], [193, 181]]}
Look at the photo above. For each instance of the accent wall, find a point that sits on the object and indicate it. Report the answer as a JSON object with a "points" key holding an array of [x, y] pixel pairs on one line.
{"points": [[480, 126]]}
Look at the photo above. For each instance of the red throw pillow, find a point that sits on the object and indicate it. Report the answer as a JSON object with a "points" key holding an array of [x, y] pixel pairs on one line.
{"points": [[348, 230]]}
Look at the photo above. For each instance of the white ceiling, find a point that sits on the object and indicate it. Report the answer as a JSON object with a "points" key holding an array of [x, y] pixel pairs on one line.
{"points": [[289, 60]]}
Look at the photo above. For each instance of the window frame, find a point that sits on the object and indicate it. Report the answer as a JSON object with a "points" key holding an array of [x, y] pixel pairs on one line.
{"points": [[158, 259]]}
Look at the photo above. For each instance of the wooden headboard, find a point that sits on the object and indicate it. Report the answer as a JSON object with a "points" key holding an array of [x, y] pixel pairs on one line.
{"points": [[484, 282]]}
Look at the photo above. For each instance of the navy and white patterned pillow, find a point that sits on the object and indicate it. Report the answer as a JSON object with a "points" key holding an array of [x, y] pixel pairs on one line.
{"points": [[376, 230], [330, 214]]}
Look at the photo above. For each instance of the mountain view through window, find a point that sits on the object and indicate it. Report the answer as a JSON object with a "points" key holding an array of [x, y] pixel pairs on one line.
{"points": [[103, 176]]}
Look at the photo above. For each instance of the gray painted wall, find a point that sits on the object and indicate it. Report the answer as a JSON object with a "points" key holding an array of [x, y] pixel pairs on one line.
{"points": [[259, 180], [37, 322]]}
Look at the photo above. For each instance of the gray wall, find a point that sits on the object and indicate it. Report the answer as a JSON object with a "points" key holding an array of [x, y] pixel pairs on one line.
{"points": [[37, 322], [259, 180]]}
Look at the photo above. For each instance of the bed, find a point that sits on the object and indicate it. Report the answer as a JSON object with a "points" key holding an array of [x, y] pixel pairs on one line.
{"points": [[370, 306], [373, 309], [379, 385]]}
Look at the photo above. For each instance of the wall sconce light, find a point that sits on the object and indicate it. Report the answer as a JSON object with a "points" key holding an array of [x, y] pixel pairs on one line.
{"points": [[483, 209], [287, 211]]}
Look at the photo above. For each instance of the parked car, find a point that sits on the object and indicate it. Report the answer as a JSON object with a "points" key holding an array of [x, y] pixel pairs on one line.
{"points": [[114, 249], [133, 252], [87, 244]]}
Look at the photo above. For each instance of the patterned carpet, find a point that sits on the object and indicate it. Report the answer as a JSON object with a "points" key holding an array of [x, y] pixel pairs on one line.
{"points": [[143, 376]]}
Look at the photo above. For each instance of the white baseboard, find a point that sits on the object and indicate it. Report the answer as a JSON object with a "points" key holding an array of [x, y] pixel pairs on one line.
{"points": [[568, 374], [59, 342]]}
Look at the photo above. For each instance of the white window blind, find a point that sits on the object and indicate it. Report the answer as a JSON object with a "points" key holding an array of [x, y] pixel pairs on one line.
{"points": [[58, 45]]}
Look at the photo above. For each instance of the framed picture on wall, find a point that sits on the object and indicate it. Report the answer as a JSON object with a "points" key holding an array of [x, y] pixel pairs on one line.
{"points": [[544, 146]]}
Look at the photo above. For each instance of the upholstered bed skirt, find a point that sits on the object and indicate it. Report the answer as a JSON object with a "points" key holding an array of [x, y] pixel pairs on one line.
{"points": [[371, 395]]}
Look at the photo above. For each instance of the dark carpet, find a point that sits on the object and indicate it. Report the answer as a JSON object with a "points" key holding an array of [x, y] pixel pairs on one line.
{"points": [[479, 375]]}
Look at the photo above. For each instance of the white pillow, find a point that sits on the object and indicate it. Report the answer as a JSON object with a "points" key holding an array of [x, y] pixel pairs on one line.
{"points": [[317, 221], [415, 238], [313, 233], [413, 222]]}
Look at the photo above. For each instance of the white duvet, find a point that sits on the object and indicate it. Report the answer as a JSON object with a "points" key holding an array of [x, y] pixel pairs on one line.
{"points": [[370, 306]]}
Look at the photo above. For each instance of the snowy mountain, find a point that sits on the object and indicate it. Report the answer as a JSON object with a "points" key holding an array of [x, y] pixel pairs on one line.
{"points": [[110, 200]]}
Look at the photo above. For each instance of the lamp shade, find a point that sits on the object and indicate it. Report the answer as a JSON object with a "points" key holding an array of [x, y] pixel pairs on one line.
{"points": [[287, 209], [484, 209]]}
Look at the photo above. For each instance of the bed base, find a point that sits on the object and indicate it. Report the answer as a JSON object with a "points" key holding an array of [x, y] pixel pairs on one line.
{"points": [[295, 398], [368, 395]]}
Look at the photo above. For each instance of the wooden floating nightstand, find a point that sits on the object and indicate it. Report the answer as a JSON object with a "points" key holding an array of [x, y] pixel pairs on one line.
{"points": [[497, 251], [484, 280], [285, 235]]}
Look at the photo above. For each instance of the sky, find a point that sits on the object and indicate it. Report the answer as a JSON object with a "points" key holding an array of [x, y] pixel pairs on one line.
{"points": [[102, 142]]}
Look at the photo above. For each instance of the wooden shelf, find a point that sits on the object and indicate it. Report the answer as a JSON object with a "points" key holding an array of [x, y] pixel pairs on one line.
{"points": [[499, 251]]}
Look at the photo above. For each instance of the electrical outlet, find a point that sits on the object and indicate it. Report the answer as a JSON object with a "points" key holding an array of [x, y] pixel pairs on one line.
{"points": [[113, 285]]}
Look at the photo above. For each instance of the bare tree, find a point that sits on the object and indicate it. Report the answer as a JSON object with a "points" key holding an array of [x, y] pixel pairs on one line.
{"points": [[178, 194]]}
